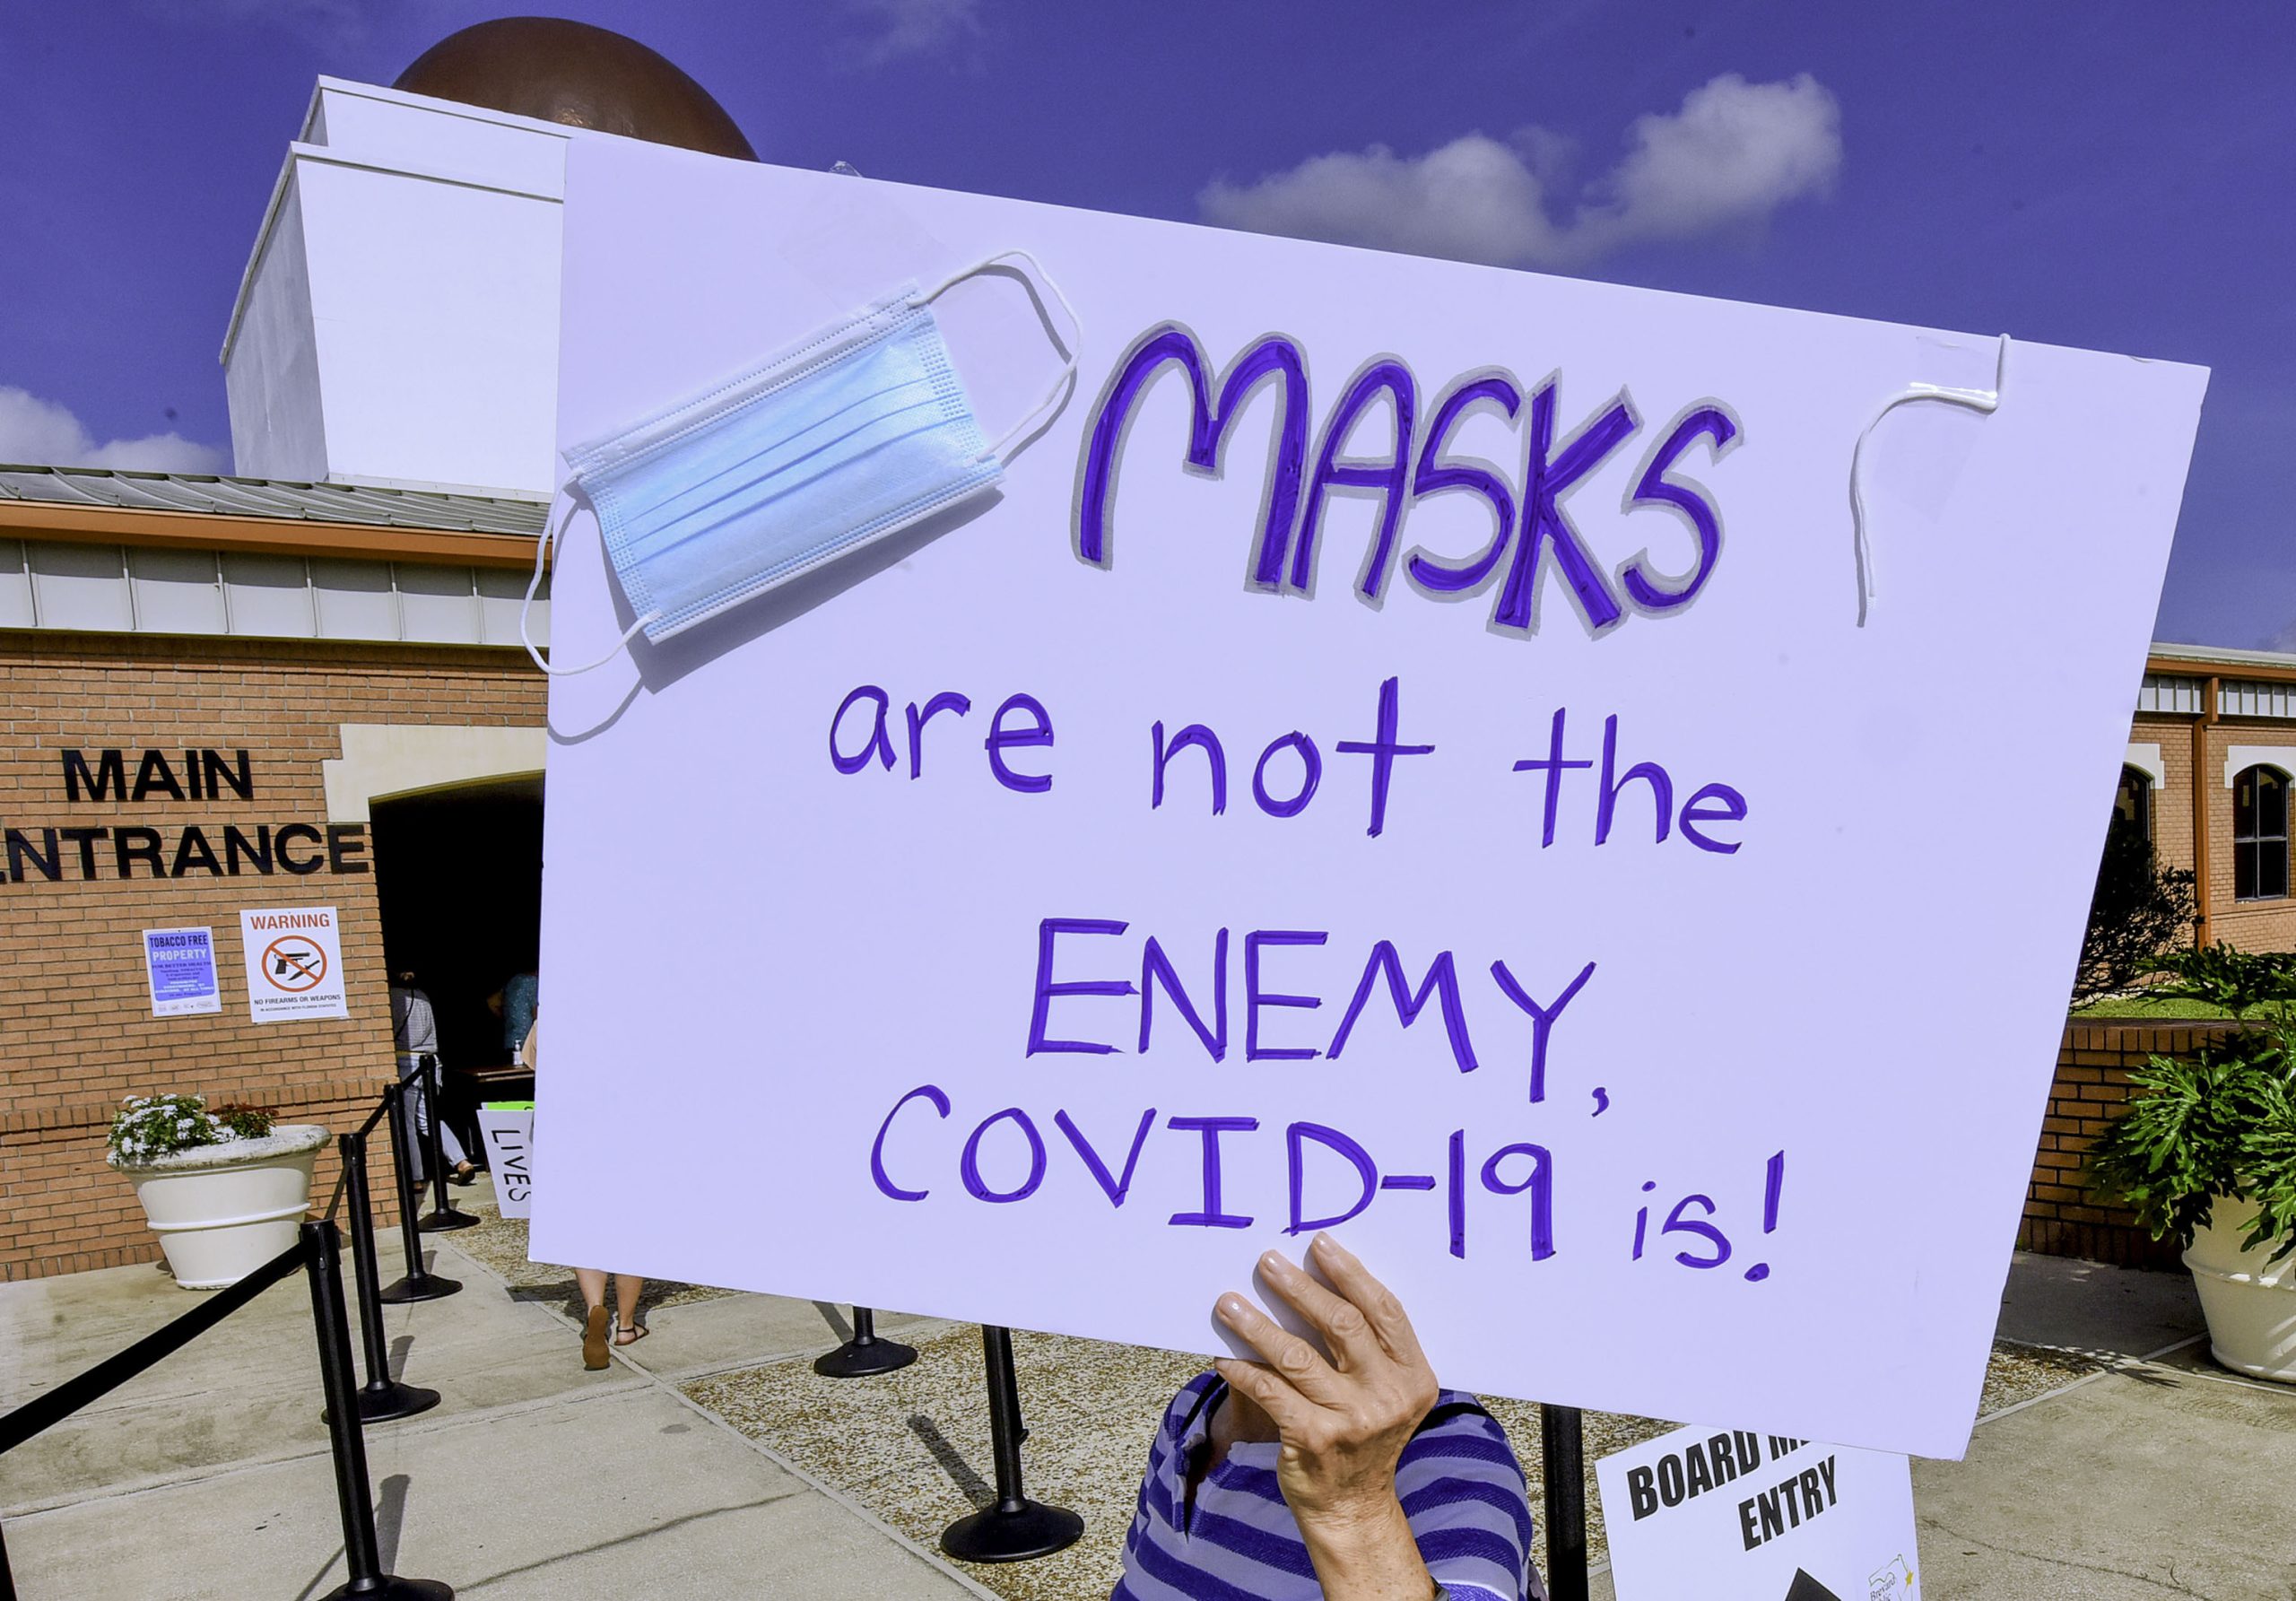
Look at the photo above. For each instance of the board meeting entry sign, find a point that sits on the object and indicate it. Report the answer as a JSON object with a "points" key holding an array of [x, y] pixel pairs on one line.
{"points": [[1396, 750]]}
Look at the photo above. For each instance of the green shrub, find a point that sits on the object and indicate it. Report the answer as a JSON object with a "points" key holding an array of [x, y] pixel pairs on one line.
{"points": [[2139, 914], [2267, 1165], [2218, 1125], [2237, 981], [245, 1122]]}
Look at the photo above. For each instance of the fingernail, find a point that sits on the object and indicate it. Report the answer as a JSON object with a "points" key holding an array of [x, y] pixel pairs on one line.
{"points": [[1324, 1242], [1274, 1262], [1231, 1308]]}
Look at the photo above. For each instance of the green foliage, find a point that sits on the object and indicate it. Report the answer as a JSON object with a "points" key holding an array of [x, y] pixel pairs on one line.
{"points": [[2200, 1129], [2237, 980], [2267, 1165], [150, 1126], [2139, 916], [245, 1122]]}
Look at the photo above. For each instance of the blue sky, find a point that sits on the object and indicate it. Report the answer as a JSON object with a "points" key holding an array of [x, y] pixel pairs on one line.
{"points": [[2115, 175]]}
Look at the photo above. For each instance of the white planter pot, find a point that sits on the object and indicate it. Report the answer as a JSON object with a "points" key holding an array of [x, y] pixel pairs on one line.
{"points": [[2249, 1301], [222, 1210]]}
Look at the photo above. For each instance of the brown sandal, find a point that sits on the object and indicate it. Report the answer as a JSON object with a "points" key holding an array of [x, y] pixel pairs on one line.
{"points": [[594, 1340]]}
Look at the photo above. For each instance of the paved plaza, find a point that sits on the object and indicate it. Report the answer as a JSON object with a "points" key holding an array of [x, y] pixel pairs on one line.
{"points": [[2115, 1461]]}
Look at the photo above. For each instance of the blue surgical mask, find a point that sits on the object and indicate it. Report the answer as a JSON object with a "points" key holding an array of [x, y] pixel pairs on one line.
{"points": [[848, 436]]}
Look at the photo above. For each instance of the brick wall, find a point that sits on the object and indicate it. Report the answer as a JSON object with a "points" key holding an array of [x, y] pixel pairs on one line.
{"points": [[76, 1033], [2251, 925], [2063, 1218]]}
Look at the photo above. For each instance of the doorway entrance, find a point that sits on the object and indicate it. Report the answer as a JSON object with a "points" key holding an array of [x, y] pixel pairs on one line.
{"points": [[458, 876]]}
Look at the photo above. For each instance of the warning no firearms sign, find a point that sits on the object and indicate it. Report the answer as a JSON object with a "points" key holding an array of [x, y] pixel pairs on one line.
{"points": [[294, 963]]}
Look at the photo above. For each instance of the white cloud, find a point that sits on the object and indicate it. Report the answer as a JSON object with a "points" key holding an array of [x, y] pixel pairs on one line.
{"points": [[892, 29], [1733, 154], [39, 432]]}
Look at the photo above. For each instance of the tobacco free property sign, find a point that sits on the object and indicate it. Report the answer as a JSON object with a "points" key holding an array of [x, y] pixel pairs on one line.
{"points": [[294, 963], [180, 965]]}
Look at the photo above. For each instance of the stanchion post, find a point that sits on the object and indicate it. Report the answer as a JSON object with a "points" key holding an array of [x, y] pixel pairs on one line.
{"points": [[323, 1261], [7, 1580], [381, 1397], [864, 1354], [420, 1283], [1016, 1529], [1562, 1465], [443, 1215]]}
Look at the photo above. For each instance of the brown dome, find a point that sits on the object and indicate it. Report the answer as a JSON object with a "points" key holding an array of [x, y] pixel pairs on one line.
{"points": [[558, 71]]}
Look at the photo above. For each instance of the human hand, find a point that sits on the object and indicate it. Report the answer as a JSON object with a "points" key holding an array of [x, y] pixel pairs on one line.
{"points": [[1342, 1420]]}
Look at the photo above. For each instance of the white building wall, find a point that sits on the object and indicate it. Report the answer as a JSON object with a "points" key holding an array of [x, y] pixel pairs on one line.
{"points": [[398, 324], [272, 377]]}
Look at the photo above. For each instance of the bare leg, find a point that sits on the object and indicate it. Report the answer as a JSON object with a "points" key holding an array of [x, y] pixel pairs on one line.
{"points": [[594, 1322], [626, 1290], [593, 1281]]}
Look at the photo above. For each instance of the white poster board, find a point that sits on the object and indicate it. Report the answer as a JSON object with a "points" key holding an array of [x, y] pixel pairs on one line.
{"points": [[1659, 1092], [294, 963], [1732, 1515], [508, 1132], [180, 971]]}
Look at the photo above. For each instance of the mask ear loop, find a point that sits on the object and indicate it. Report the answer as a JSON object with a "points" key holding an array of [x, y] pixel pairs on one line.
{"points": [[1073, 341], [543, 542], [1982, 400]]}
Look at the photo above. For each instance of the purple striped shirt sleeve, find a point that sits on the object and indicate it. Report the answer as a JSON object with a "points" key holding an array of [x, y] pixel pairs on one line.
{"points": [[1458, 1482]]}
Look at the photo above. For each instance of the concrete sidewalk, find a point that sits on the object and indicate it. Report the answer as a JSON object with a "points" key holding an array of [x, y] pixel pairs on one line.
{"points": [[2157, 1474], [209, 1475], [2123, 1465], [2170, 1477]]}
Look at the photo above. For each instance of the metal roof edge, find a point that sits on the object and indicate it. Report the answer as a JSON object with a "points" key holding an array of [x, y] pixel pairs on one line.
{"points": [[538, 499], [127, 491], [150, 528], [2220, 656]]}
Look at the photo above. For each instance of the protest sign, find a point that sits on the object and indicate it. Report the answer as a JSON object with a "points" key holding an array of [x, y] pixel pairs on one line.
{"points": [[294, 963], [1732, 1515], [1405, 749], [180, 970], [508, 1128]]}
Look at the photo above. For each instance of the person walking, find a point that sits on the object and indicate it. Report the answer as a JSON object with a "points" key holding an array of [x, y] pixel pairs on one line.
{"points": [[515, 1004], [414, 1038], [602, 1328]]}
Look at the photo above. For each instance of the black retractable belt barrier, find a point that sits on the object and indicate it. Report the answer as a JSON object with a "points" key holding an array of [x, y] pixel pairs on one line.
{"points": [[420, 1283], [322, 1251], [1562, 1455], [317, 1252], [864, 1354], [443, 1215], [1015, 1528], [381, 1397]]}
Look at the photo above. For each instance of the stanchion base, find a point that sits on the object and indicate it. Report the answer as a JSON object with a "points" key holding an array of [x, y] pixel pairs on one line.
{"points": [[390, 1588], [862, 1359], [428, 1287], [440, 1223], [1033, 1531], [381, 1404]]}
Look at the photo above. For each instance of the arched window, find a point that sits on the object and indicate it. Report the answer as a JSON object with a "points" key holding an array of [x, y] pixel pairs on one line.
{"points": [[2260, 834], [2133, 804]]}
